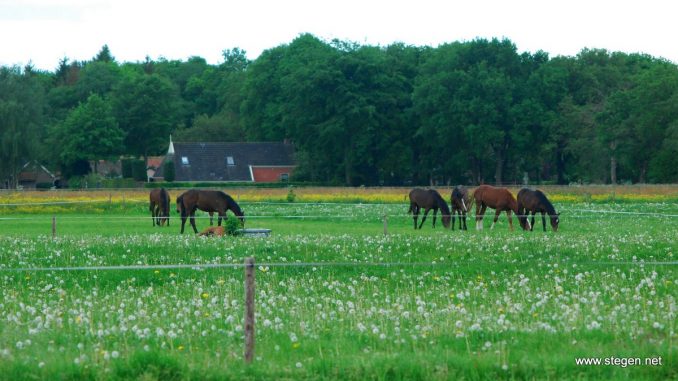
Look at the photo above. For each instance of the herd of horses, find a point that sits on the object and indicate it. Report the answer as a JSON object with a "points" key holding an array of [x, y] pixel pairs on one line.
{"points": [[499, 199]]}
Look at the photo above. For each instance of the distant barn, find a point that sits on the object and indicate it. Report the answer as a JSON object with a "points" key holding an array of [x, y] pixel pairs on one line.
{"points": [[226, 161], [34, 175]]}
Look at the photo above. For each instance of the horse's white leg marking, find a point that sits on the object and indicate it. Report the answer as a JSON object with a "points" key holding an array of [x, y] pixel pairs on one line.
{"points": [[492, 226], [464, 205]]}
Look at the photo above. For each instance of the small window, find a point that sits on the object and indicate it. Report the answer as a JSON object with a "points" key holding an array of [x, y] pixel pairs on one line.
{"points": [[229, 160], [284, 177], [184, 160]]}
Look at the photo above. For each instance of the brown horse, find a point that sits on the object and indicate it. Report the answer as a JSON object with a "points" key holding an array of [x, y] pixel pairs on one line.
{"points": [[428, 199], [460, 200], [159, 206], [499, 199], [207, 201], [533, 201]]}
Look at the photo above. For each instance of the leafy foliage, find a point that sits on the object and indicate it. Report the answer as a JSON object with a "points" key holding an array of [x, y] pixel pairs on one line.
{"points": [[463, 112]]}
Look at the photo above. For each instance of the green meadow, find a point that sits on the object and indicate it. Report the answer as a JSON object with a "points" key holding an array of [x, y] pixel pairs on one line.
{"points": [[336, 298]]}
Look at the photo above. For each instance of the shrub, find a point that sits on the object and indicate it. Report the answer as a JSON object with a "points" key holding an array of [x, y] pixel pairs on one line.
{"points": [[231, 225], [139, 170], [168, 171]]}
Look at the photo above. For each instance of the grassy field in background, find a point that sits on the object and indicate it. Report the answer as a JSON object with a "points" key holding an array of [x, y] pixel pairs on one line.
{"points": [[490, 304]]}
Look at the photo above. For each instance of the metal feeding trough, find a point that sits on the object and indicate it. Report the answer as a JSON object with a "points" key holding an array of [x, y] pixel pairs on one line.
{"points": [[254, 232]]}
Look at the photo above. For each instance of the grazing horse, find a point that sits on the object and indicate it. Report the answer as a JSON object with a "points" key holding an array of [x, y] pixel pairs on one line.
{"points": [[159, 206], [499, 199], [460, 200], [535, 201], [207, 201], [428, 199]]}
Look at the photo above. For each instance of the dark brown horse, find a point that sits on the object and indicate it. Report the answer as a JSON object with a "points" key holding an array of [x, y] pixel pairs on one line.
{"points": [[207, 201], [460, 200], [533, 201], [428, 199], [499, 199], [159, 206]]}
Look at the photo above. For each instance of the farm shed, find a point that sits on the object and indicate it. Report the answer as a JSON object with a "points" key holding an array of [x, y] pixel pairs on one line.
{"points": [[34, 173]]}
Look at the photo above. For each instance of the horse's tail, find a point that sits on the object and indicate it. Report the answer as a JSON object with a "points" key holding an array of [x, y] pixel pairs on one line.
{"points": [[165, 199], [180, 204], [471, 201]]}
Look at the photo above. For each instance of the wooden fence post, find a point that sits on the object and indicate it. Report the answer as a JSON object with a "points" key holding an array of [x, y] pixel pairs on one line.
{"points": [[53, 227], [249, 309]]}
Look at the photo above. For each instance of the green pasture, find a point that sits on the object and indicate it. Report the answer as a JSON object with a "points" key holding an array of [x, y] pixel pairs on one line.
{"points": [[336, 298]]}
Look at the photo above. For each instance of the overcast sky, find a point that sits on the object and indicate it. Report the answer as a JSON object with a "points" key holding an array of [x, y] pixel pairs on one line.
{"points": [[44, 31]]}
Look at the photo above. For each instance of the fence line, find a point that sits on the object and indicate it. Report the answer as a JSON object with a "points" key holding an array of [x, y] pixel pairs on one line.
{"points": [[294, 264], [378, 217]]}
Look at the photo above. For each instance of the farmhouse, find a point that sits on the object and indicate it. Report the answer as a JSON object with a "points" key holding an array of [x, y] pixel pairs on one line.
{"points": [[228, 161]]}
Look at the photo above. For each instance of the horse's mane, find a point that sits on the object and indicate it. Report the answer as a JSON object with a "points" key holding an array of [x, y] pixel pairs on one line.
{"points": [[547, 204], [444, 209], [234, 205]]}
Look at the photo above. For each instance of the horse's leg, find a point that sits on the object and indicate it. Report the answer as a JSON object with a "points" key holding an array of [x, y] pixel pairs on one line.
{"points": [[424, 218], [153, 213], [415, 215], [435, 212], [543, 220], [183, 222], [509, 214], [454, 213], [157, 215], [525, 215], [532, 224], [222, 214], [192, 214], [480, 212], [463, 215], [496, 217], [211, 218]]}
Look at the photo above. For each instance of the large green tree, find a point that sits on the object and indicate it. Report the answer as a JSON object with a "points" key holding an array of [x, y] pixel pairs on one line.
{"points": [[145, 107], [89, 133], [22, 106]]}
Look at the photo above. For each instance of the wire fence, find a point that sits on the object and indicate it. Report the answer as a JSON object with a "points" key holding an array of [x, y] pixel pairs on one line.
{"points": [[571, 213], [381, 216], [268, 265]]}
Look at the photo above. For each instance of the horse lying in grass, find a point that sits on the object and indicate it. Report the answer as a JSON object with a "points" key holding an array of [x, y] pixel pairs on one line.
{"points": [[213, 231]]}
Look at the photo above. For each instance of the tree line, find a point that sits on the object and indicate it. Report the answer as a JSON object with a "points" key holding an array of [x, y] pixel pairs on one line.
{"points": [[463, 112]]}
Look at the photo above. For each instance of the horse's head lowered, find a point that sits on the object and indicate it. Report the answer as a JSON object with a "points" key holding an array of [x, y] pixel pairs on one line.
{"points": [[242, 219], [555, 220]]}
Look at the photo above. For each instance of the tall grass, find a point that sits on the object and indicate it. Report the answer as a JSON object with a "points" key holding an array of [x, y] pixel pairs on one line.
{"points": [[426, 304]]}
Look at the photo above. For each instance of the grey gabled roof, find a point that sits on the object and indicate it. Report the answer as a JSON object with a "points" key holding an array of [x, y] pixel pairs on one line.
{"points": [[208, 161]]}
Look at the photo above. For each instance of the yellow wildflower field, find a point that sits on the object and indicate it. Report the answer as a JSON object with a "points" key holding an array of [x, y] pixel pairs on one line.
{"points": [[62, 200]]}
